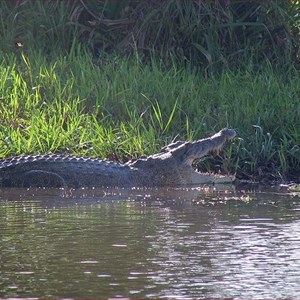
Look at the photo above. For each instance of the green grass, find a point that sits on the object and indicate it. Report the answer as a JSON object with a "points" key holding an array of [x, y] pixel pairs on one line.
{"points": [[118, 108]]}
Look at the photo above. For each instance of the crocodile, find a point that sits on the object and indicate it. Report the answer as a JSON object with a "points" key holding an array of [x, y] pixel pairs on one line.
{"points": [[172, 166]]}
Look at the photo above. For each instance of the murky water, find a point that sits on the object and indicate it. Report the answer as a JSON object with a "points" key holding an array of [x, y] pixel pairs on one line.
{"points": [[150, 243]]}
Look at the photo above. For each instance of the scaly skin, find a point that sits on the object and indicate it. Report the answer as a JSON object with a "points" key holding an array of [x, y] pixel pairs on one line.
{"points": [[172, 166]]}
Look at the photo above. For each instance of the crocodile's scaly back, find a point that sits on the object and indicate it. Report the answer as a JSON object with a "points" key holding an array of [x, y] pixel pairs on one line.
{"points": [[62, 171]]}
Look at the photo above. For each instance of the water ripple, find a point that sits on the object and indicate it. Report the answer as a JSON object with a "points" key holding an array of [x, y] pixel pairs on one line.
{"points": [[91, 247]]}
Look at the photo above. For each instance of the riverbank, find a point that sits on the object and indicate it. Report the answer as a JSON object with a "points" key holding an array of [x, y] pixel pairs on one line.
{"points": [[122, 79], [120, 108]]}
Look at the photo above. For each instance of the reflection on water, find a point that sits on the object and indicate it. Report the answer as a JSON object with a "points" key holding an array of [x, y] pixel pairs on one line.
{"points": [[149, 243]]}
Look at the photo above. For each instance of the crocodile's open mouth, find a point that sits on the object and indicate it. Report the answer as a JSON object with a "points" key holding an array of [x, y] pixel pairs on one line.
{"points": [[213, 165]]}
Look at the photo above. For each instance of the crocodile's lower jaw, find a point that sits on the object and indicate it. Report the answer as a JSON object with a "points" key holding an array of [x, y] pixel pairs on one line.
{"points": [[200, 178], [224, 178]]}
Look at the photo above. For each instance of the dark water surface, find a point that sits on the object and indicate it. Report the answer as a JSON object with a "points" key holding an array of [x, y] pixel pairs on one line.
{"points": [[150, 243]]}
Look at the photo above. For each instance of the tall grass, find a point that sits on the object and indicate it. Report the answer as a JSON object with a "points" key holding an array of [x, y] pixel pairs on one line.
{"points": [[209, 35], [40, 24], [122, 108]]}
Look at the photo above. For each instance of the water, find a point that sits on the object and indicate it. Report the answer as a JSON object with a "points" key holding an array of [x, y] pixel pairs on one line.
{"points": [[150, 243]]}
